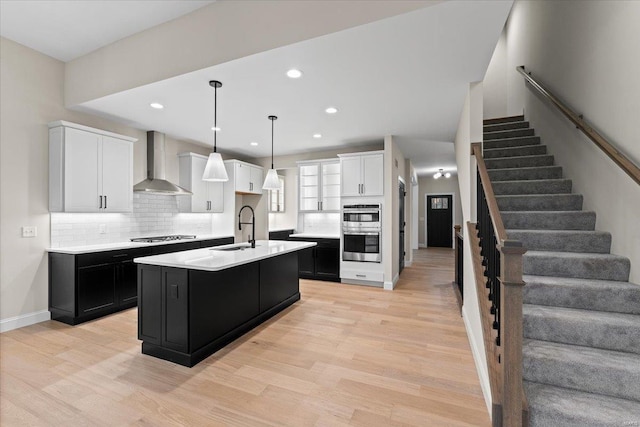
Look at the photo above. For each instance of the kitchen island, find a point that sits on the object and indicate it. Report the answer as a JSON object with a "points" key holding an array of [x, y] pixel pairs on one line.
{"points": [[193, 303]]}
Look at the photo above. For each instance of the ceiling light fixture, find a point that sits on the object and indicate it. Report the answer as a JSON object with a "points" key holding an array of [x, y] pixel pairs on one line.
{"points": [[156, 105], [215, 170], [271, 182], [215, 128], [331, 110], [294, 74], [441, 173], [317, 135], [254, 143]]}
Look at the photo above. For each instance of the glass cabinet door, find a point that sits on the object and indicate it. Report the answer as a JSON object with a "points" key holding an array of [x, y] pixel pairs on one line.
{"points": [[331, 186], [309, 176]]}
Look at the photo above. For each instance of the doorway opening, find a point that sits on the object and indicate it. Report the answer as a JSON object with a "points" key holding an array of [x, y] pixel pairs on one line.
{"points": [[439, 220]]}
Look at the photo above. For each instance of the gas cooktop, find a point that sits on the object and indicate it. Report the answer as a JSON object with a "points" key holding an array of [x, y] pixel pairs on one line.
{"points": [[163, 238]]}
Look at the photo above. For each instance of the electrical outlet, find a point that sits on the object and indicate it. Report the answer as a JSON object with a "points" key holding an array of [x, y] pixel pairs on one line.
{"points": [[29, 231], [102, 229]]}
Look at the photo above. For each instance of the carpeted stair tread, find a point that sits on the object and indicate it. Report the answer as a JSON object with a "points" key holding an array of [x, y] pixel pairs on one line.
{"points": [[525, 150], [549, 220], [519, 162], [505, 126], [518, 141], [601, 295], [563, 240], [540, 202], [532, 186], [524, 174], [597, 329], [507, 134], [575, 264], [608, 372], [551, 406], [506, 119]]}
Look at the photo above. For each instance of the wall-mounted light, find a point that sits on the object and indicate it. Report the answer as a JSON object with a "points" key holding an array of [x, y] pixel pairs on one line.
{"points": [[215, 170]]}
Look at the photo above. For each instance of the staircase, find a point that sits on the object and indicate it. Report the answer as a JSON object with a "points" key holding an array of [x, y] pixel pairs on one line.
{"points": [[581, 352]]}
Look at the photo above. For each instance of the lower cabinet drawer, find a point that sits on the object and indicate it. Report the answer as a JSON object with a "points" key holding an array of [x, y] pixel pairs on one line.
{"points": [[372, 276]]}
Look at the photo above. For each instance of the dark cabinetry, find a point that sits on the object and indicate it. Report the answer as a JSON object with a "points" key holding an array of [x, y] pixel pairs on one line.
{"points": [[280, 234], [87, 286], [321, 262], [186, 315]]}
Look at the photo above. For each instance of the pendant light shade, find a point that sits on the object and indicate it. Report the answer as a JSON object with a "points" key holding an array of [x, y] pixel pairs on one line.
{"points": [[271, 182], [215, 169]]}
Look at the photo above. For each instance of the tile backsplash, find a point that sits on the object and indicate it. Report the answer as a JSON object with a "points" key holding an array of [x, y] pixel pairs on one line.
{"points": [[321, 223], [152, 215]]}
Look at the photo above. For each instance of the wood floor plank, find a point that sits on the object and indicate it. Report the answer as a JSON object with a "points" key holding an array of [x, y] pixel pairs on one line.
{"points": [[343, 355]]}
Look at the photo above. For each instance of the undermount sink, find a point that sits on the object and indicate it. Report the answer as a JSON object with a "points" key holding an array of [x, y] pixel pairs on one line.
{"points": [[239, 247]]}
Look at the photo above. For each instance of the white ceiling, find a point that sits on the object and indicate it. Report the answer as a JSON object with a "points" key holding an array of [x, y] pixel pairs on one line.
{"points": [[405, 76], [67, 29]]}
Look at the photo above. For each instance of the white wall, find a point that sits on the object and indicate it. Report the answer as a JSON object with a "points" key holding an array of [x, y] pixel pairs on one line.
{"points": [[429, 185], [394, 168], [469, 131], [31, 96], [587, 54]]}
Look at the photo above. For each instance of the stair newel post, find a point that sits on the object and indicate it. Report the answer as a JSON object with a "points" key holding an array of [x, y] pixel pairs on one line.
{"points": [[511, 331]]}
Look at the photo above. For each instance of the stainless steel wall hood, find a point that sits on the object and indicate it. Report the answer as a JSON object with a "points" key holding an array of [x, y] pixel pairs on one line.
{"points": [[156, 182]]}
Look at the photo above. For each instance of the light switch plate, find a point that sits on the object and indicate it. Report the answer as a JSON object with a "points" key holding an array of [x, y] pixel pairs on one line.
{"points": [[102, 229], [29, 231]]}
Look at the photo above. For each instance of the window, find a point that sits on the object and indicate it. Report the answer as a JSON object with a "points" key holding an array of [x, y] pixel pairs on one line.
{"points": [[439, 203]]}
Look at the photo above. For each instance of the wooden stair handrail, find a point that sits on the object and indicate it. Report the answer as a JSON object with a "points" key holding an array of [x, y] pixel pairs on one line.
{"points": [[498, 226], [614, 154], [510, 407]]}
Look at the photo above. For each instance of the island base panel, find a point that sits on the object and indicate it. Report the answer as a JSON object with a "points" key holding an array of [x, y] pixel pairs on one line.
{"points": [[199, 355]]}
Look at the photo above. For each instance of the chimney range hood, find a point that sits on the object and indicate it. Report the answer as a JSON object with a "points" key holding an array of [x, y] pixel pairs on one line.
{"points": [[155, 182]]}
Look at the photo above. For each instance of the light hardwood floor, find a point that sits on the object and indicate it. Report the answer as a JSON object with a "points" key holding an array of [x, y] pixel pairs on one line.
{"points": [[343, 355]]}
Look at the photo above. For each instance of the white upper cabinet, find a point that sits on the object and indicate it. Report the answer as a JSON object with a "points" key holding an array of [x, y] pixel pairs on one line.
{"points": [[319, 186], [208, 197], [90, 170], [362, 174], [248, 178]]}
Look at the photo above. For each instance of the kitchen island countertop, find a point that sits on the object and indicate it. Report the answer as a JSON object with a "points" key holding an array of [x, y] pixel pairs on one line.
{"points": [[223, 257]]}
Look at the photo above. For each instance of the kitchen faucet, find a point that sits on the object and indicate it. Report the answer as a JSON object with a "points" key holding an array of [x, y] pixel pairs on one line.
{"points": [[253, 224]]}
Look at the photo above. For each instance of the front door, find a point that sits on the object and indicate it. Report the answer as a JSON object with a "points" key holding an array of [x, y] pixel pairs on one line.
{"points": [[439, 221], [402, 224]]}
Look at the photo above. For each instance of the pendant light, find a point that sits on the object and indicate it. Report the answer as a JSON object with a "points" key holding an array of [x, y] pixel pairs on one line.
{"points": [[271, 182], [215, 170]]}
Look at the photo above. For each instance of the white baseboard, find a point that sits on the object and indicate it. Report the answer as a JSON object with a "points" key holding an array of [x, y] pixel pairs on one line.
{"points": [[421, 245], [408, 263], [390, 285], [23, 320], [481, 367]]}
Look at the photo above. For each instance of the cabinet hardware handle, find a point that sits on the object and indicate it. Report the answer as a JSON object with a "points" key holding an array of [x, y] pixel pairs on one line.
{"points": [[105, 202], [362, 188], [120, 256], [100, 202], [361, 275]]}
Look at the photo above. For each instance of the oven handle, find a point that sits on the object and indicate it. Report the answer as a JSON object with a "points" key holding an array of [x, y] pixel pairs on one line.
{"points": [[361, 233], [360, 211]]}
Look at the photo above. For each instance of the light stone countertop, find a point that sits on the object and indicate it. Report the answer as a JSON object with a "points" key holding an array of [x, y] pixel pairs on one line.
{"points": [[214, 259], [74, 250]]}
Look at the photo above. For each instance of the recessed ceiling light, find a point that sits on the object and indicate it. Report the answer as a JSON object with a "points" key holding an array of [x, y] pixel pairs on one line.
{"points": [[294, 74], [254, 143], [331, 110], [156, 105], [317, 135], [217, 129]]}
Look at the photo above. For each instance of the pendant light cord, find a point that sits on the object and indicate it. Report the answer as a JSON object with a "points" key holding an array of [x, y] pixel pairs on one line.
{"points": [[215, 116], [272, 144]]}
